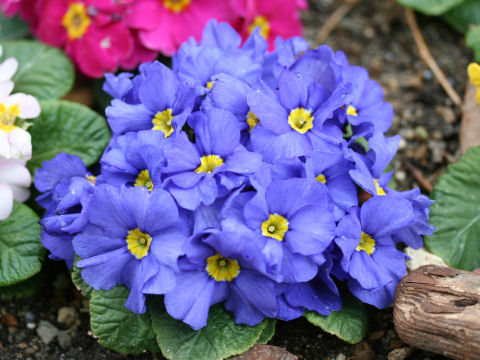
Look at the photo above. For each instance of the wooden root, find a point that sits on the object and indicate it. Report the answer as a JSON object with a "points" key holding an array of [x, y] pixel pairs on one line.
{"points": [[437, 309]]}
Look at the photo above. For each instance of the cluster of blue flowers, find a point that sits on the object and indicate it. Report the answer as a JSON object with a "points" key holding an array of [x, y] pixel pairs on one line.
{"points": [[235, 177]]}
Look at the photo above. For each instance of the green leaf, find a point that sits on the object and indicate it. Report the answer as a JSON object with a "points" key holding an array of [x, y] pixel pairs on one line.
{"points": [[349, 324], [78, 280], [44, 72], [24, 288], [21, 251], [67, 127], [431, 7], [456, 213], [465, 15], [473, 41], [12, 28], [117, 327], [219, 339], [268, 332]]}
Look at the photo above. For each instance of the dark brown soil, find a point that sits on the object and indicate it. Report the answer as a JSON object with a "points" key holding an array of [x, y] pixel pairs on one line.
{"points": [[374, 35]]}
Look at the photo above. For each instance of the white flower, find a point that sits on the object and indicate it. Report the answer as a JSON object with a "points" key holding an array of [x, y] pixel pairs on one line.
{"points": [[7, 69], [15, 143], [15, 180]]}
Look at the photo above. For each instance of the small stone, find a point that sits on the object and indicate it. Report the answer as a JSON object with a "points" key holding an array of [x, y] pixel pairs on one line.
{"points": [[399, 354], [22, 345], [64, 339], [400, 175], [340, 357], [46, 331], [421, 133], [363, 351], [29, 317], [421, 257], [376, 335], [395, 343], [31, 325], [9, 320], [29, 351], [68, 316], [447, 113]]}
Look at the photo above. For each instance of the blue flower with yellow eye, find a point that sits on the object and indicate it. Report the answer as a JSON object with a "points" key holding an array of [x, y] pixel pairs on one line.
{"points": [[66, 188], [292, 119], [198, 173], [164, 104], [134, 159], [212, 271], [289, 225], [133, 237], [369, 255]]}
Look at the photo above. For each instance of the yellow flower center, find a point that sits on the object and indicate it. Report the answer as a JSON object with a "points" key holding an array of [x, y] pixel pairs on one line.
{"points": [[91, 179], [8, 114], [138, 243], [263, 24], [275, 227], [300, 120], [380, 190], [209, 85], [221, 268], [208, 163], [351, 110], [76, 20], [367, 244], [163, 121], [176, 5], [321, 178], [252, 120], [144, 179]]}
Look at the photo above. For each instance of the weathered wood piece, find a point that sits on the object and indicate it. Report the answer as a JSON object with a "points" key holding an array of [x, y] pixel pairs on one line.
{"points": [[437, 309]]}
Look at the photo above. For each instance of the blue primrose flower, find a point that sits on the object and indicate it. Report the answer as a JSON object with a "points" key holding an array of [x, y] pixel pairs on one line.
{"points": [[288, 225], [200, 172], [133, 237], [370, 257], [213, 271], [66, 188], [164, 104], [135, 159], [292, 119]]}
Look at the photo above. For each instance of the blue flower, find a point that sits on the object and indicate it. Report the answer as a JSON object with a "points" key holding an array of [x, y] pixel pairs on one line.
{"points": [[165, 104], [200, 172], [287, 225], [292, 119], [213, 271], [66, 188], [135, 159], [133, 237], [370, 257]]}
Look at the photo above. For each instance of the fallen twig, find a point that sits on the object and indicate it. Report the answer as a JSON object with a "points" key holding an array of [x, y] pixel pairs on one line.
{"points": [[333, 20], [422, 180], [428, 58]]}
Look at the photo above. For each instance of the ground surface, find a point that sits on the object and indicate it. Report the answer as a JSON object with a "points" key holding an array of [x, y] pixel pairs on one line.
{"points": [[374, 35]]}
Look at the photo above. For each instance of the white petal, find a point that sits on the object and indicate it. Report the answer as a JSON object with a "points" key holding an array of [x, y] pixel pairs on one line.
{"points": [[7, 69], [6, 88], [13, 172], [20, 144], [20, 193], [4, 145], [29, 106], [6, 201]]}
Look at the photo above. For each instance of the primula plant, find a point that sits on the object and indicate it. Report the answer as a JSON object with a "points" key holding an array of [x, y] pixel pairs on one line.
{"points": [[228, 196], [27, 129], [129, 32]]}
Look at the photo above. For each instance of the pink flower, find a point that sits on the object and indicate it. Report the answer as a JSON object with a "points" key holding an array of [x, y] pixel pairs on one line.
{"points": [[91, 31], [26, 8], [273, 17], [165, 24]]}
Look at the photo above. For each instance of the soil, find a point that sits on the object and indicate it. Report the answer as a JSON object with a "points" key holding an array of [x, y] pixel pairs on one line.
{"points": [[374, 35]]}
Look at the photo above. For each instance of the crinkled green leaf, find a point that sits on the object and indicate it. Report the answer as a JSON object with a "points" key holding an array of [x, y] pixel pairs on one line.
{"points": [[268, 332], [465, 15], [12, 28], [44, 72], [349, 324], [473, 41], [219, 339], [456, 213], [67, 127], [117, 327], [431, 7], [21, 251], [78, 280], [24, 288]]}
